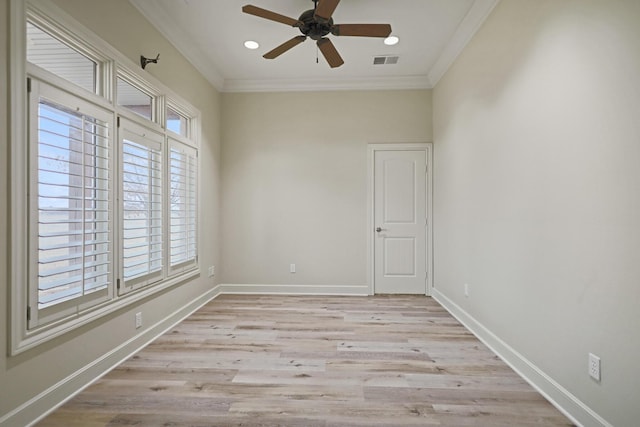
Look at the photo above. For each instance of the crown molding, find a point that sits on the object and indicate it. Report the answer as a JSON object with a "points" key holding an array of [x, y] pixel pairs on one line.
{"points": [[479, 12], [309, 85], [470, 24], [164, 24]]}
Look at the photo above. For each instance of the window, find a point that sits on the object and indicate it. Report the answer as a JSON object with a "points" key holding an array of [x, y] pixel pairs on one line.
{"points": [[142, 238], [177, 122], [107, 192], [183, 207], [134, 99], [71, 204], [56, 57]]}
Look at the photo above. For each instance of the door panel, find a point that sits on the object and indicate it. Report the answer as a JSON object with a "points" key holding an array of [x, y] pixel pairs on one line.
{"points": [[399, 191], [400, 221], [400, 258]]}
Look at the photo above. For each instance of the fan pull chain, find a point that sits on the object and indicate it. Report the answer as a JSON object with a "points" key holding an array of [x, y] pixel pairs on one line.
{"points": [[317, 61]]}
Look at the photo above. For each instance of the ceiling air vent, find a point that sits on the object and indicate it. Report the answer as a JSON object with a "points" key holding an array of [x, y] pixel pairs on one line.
{"points": [[385, 60]]}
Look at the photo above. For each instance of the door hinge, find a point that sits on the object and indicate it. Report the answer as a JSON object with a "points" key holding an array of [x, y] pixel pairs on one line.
{"points": [[118, 121], [118, 284], [28, 84], [28, 313]]}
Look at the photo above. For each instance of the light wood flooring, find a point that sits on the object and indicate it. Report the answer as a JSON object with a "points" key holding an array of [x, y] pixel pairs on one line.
{"points": [[312, 361]]}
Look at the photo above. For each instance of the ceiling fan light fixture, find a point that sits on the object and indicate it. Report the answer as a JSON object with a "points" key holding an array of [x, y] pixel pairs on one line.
{"points": [[316, 24], [391, 40], [250, 44]]}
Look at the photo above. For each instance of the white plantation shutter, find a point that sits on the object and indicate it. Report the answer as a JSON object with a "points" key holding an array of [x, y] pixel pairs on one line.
{"points": [[141, 205], [183, 189], [71, 191]]}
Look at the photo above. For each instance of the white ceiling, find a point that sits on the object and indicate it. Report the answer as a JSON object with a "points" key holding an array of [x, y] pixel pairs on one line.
{"points": [[211, 34]]}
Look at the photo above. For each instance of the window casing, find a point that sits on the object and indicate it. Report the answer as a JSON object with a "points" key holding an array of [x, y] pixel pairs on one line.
{"points": [[97, 181]]}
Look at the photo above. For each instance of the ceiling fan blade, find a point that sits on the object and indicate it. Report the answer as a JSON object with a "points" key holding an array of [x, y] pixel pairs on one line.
{"points": [[330, 53], [362, 30], [267, 14], [284, 47], [325, 9]]}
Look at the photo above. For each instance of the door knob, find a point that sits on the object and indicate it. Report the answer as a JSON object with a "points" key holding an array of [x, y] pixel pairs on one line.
{"points": [[378, 229]]}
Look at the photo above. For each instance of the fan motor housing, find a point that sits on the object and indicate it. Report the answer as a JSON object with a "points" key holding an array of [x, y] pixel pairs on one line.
{"points": [[311, 27]]}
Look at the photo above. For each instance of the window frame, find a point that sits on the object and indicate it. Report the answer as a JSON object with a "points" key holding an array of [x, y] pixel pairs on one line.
{"points": [[111, 63]]}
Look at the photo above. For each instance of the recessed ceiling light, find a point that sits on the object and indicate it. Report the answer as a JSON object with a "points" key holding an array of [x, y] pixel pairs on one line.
{"points": [[250, 44], [391, 40]]}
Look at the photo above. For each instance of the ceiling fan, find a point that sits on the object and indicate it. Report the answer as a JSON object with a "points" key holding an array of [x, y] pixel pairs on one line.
{"points": [[317, 23]]}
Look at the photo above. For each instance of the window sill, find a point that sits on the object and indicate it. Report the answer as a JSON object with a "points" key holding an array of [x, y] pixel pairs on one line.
{"points": [[34, 338]]}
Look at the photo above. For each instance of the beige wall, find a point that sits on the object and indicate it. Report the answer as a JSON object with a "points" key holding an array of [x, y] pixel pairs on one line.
{"points": [[537, 139], [28, 374], [295, 180], [537, 190]]}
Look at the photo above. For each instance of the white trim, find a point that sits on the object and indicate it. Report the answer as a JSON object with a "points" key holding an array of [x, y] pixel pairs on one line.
{"points": [[46, 402], [429, 190], [17, 122], [479, 12], [307, 85], [163, 22], [173, 33], [371, 149], [32, 339], [264, 289], [576, 410]]}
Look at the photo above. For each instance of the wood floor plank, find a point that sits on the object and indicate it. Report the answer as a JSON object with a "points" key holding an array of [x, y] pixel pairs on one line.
{"points": [[312, 361]]}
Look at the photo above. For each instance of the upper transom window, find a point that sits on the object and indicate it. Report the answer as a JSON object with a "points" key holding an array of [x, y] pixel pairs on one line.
{"points": [[177, 122], [58, 58], [134, 99]]}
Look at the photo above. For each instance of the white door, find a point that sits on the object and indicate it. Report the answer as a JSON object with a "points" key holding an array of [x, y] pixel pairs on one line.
{"points": [[400, 221]]}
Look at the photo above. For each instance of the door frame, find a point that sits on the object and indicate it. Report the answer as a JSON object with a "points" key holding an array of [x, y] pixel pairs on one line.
{"points": [[427, 147]]}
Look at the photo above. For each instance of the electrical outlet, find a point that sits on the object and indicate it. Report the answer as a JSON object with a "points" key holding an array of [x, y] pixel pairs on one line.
{"points": [[292, 268], [212, 271], [594, 366], [466, 290], [138, 320]]}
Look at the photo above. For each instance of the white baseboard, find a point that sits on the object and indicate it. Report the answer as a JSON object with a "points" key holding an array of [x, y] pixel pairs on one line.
{"points": [[47, 401], [353, 290], [561, 398], [44, 403]]}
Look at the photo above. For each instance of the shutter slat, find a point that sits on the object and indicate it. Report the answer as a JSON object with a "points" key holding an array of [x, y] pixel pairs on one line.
{"points": [[142, 209]]}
